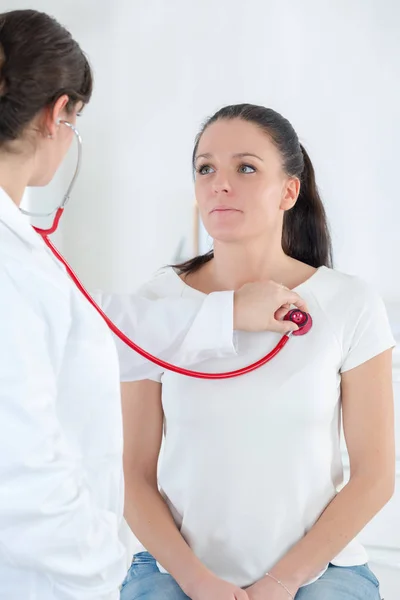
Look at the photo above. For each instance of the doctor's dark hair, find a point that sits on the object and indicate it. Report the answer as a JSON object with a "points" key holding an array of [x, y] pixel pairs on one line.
{"points": [[39, 63], [305, 234]]}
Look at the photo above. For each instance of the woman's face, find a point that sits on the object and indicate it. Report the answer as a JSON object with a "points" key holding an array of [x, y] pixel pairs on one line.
{"points": [[241, 188]]}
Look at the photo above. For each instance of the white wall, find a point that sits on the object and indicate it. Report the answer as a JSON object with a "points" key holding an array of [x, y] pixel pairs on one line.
{"points": [[161, 67]]}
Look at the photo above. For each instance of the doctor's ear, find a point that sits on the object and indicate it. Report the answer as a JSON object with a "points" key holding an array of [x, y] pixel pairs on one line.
{"points": [[54, 114], [290, 193]]}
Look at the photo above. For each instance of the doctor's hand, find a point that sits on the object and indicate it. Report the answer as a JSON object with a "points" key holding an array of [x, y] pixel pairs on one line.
{"points": [[262, 305], [211, 587]]}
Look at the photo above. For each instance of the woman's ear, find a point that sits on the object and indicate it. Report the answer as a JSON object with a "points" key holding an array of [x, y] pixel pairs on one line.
{"points": [[290, 193]]}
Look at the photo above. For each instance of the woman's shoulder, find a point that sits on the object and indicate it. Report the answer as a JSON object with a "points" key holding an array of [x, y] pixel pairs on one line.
{"points": [[348, 303], [339, 287], [356, 314], [165, 282]]}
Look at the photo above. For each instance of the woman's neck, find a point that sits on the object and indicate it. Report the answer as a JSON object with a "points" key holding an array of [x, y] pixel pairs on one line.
{"points": [[235, 265]]}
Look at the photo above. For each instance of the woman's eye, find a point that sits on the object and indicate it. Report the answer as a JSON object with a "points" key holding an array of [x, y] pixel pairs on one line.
{"points": [[204, 170], [246, 169]]}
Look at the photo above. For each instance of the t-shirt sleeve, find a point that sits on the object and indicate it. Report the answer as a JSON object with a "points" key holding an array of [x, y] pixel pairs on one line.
{"points": [[368, 332]]}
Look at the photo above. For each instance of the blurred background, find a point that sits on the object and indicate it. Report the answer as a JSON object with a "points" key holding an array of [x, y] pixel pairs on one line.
{"points": [[161, 67]]}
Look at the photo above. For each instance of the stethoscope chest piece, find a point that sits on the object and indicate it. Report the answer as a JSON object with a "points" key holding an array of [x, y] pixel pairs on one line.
{"points": [[302, 319]]}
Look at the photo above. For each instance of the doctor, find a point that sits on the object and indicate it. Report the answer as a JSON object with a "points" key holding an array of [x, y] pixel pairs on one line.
{"points": [[61, 486]]}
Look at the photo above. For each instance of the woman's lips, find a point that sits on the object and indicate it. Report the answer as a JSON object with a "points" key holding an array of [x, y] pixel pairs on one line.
{"points": [[224, 209]]}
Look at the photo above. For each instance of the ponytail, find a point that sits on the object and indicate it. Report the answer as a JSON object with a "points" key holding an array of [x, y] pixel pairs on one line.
{"points": [[305, 234]]}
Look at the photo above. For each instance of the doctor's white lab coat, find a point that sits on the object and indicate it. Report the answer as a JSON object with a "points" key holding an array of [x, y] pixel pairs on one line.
{"points": [[61, 482]]}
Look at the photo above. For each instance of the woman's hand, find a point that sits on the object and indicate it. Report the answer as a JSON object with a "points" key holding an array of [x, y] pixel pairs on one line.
{"points": [[211, 587], [268, 589]]}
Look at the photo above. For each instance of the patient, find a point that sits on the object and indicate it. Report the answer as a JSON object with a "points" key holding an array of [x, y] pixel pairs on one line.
{"points": [[245, 504]]}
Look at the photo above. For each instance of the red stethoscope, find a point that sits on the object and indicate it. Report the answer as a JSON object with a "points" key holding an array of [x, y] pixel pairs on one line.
{"points": [[302, 319]]}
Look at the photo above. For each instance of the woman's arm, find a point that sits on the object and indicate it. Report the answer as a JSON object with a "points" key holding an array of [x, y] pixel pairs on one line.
{"points": [[145, 509], [368, 418]]}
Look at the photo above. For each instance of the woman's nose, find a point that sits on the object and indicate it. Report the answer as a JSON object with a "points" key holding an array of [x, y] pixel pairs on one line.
{"points": [[221, 183]]}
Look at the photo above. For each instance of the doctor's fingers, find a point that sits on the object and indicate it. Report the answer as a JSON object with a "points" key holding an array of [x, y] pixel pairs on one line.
{"points": [[282, 312], [288, 297]]}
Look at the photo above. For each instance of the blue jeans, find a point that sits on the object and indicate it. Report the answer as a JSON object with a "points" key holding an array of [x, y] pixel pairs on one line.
{"points": [[145, 582]]}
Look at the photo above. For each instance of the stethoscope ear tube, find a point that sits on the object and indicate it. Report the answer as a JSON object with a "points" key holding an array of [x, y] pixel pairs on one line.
{"points": [[292, 316], [67, 195], [157, 361]]}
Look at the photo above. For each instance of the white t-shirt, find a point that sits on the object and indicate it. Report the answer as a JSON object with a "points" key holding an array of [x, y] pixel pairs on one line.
{"points": [[250, 463]]}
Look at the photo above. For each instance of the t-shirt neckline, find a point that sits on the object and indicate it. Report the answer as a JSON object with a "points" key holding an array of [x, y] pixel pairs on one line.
{"points": [[192, 290]]}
